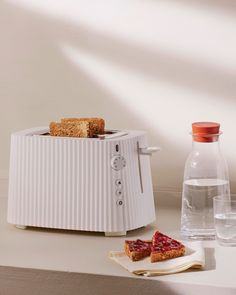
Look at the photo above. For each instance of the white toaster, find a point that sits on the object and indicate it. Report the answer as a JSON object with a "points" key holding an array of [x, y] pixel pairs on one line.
{"points": [[92, 184]]}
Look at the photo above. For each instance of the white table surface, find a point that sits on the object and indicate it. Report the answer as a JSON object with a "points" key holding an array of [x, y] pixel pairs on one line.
{"points": [[74, 262]]}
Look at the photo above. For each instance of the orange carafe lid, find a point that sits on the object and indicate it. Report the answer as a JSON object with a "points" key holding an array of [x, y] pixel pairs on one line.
{"points": [[205, 131]]}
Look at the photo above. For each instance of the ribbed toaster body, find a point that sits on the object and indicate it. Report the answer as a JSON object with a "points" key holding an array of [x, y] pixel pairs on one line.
{"points": [[80, 184]]}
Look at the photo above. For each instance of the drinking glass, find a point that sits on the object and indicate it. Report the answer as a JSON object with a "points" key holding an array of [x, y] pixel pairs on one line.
{"points": [[225, 220]]}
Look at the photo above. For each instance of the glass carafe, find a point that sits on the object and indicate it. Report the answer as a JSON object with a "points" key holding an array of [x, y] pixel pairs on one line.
{"points": [[205, 176]]}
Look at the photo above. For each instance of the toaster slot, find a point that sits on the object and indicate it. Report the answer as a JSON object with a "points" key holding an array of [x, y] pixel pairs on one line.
{"points": [[139, 169], [110, 134]]}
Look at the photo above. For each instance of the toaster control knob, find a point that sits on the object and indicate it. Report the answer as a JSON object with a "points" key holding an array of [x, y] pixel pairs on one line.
{"points": [[118, 162]]}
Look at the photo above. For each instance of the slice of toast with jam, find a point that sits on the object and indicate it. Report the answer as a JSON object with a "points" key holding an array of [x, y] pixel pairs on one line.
{"points": [[138, 249], [161, 247], [164, 247]]}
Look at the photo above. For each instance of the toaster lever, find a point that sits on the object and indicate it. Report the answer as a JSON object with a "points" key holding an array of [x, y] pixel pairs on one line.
{"points": [[148, 150]]}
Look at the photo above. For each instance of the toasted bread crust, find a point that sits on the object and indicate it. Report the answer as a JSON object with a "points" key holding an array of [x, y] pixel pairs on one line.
{"points": [[96, 125], [128, 252], [159, 256], [81, 129]]}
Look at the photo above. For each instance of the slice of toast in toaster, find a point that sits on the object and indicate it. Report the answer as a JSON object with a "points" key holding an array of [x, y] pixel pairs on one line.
{"points": [[138, 249], [164, 247], [79, 129], [96, 125]]}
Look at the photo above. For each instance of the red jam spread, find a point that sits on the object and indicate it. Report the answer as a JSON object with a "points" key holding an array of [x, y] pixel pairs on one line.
{"points": [[163, 243], [139, 245]]}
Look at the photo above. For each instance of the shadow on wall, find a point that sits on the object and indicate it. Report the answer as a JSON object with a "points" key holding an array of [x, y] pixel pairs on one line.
{"points": [[42, 72], [156, 64]]}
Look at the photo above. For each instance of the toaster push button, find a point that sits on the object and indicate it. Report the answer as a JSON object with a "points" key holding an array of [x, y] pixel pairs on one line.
{"points": [[118, 162], [118, 183], [118, 193], [119, 202]]}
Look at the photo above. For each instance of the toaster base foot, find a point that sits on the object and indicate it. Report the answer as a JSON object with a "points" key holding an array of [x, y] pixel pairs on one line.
{"points": [[20, 226], [115, 234]]}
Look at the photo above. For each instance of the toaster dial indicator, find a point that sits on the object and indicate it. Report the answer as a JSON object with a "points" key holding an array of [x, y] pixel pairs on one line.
{"points": [[118, 162]]}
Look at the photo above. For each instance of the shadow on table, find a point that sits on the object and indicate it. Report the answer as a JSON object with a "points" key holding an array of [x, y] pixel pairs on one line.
{"points": [[149, 229], [210, 259], [210, 262]]}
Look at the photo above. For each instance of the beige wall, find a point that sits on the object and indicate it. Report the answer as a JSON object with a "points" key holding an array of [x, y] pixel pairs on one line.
{"points": [[153, 65]]}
